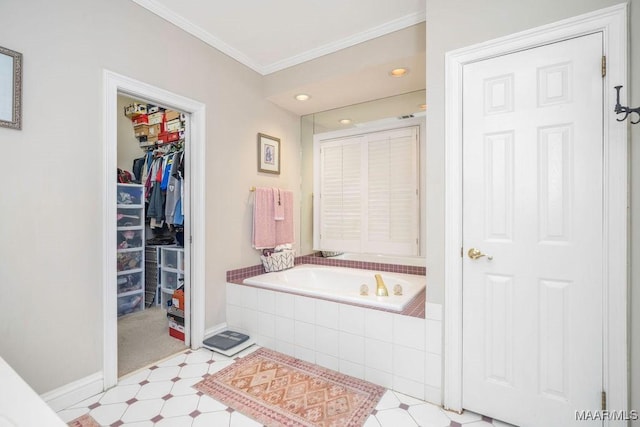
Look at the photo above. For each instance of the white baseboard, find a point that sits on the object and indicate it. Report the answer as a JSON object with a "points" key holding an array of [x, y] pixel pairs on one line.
{"points": [[77, 391], [72, 393]]}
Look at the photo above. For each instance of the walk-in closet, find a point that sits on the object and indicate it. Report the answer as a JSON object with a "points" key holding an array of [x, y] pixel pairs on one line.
{"points": [[151, 262]]}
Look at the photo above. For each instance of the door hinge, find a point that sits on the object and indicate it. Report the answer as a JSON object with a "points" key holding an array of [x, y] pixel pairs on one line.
{"points": [[190, 239], [604, 400], [604, 66], [461, 252]]}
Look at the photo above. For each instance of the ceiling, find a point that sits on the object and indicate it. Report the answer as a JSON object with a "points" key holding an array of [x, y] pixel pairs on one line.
{"points": [[277, 36]]}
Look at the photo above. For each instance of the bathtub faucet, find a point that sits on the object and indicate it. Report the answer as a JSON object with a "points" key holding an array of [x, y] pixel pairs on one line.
{"points": [[381, 289]]}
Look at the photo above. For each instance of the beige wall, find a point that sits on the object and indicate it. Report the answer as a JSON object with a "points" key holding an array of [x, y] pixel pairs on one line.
{"points": [[452, 24], [51, 221], [128, 145]]}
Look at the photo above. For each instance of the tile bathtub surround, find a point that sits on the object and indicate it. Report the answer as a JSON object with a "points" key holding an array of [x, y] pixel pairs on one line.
{"points": [[238, 275], [316, 258], [415, 307], [162, 395], [388, 349]]}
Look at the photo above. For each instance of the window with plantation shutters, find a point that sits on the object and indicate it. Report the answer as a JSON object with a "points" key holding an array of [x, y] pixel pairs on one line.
{"points": [[368, 193], [340, 186]]}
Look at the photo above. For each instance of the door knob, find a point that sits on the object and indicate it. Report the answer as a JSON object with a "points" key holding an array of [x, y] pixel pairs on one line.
{"points": [[476, 253]]}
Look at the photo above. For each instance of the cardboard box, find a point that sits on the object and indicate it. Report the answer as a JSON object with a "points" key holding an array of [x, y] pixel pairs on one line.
{"points": [[140, 119], [148, 141], [153, 109], [171, 115], [135, 109], [155, 130], [166, 137], [173, 136], [176, 330], [178, 299], [173, 125], [141, 130], [156, 118]]}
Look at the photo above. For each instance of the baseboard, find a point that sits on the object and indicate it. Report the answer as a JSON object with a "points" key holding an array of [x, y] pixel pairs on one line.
{"points": [[212, 331], [75, 392]]}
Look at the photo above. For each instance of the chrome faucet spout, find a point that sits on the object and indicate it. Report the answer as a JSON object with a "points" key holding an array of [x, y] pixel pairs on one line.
{"points": [[381, 289]]}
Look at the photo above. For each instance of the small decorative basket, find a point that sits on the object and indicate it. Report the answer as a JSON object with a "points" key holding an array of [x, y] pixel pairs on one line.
{"points": [[328, 254], [278, 261]]}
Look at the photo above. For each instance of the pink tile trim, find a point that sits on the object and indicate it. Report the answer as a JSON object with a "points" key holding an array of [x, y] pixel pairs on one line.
{"points": [[316, 258], [415, 308]]}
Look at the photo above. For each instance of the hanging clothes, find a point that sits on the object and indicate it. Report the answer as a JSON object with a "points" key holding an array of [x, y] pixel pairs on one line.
{"points": [[174, 188], [155, 210], [137, 168]]}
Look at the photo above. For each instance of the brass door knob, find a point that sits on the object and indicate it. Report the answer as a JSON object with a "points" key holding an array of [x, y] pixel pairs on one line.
{"points": [[476, 253]]}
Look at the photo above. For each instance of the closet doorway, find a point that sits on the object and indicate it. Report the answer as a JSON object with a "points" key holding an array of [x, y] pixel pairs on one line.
{"points": [[188, 266], [151, 262]]}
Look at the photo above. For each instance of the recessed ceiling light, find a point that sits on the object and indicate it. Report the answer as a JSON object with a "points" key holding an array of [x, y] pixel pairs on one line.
{"points": [[302, 97], [345, 121], [398, 72]]}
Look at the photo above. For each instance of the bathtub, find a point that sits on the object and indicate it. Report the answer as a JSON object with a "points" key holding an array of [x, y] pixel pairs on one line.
{"points": [[342, 284]]}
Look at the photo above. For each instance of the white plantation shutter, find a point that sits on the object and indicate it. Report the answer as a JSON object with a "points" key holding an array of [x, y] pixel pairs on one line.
{"points": [[392, 193], [340, 187], [368, 193]]}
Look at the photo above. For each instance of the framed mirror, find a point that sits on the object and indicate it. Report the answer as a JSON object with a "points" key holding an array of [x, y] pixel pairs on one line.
{"points": [[10, 88]]}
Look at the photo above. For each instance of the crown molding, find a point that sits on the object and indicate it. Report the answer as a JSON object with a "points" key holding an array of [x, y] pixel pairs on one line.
{"points": [[196, 31], [380, 30]]}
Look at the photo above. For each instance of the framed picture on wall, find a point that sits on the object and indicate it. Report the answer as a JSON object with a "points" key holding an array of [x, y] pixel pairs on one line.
{"points": [[10, 88], [268, 154]]}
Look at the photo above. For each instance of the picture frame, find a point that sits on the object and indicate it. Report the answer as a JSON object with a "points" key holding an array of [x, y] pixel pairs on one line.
{"points": [[268, 154], [10, 89]]}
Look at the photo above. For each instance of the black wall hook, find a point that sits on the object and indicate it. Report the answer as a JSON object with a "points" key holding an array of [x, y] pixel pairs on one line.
{"points": [[625, 110]]}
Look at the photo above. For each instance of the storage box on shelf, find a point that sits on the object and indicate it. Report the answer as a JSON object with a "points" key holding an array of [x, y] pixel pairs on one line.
{"points": [[153, 125], [170, 272], [135, 109], [176, 322], [130, 250]]}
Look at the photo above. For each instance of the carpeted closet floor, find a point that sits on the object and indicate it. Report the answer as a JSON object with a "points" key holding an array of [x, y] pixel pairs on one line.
{"points": [[143, 339]]}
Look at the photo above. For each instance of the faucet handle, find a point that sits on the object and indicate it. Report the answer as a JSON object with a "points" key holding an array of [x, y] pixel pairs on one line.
{"points": [[397, 289], [364, 290]]}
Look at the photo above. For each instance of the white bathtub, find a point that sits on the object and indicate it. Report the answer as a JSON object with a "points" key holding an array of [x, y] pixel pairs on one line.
{"points": [[342, 284]]}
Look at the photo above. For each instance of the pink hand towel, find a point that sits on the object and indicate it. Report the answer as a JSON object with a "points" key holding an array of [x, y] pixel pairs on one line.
{"points": [[264, 226], [284, 228]]}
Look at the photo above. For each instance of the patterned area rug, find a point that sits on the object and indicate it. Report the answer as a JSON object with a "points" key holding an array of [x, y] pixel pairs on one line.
{"points": [[84, 421], [278, 390]]}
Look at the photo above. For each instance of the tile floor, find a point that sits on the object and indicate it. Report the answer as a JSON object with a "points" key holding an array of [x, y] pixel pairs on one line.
{"points": [[162, 396]]}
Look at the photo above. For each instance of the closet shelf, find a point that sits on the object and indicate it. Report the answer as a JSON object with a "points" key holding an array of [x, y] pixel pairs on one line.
{"points": [[135, 270], [131, 227], [129, 293]]}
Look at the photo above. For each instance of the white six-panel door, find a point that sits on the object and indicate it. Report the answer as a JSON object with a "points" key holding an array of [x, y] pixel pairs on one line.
{"points": [[532, 204]]}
